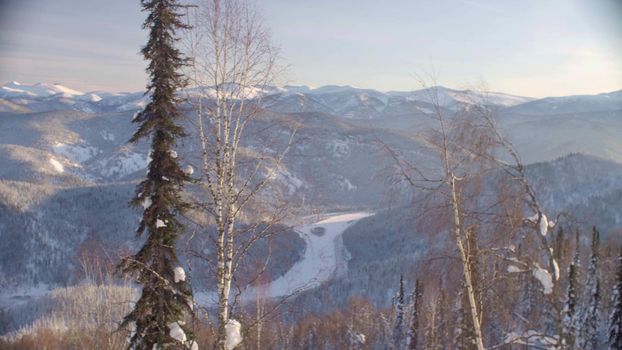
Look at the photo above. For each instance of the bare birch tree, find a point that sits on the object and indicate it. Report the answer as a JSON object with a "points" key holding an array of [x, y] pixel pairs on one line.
{"points": [[455, 168], [469, 148], [446, 183], [233, 63]]}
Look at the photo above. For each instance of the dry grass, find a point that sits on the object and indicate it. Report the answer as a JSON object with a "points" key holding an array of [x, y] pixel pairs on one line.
{"points": [[80, 317]]}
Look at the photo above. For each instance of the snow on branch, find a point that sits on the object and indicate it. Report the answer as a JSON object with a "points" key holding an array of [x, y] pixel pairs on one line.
{"points": [[176, 332], [180, 274]]}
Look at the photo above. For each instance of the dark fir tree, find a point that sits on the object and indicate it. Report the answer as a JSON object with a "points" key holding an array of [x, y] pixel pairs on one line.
{"points": [[570, 304], [158, 316], [615, 320], [415, 301], [398, 330], [590, 320], [444, 320]]}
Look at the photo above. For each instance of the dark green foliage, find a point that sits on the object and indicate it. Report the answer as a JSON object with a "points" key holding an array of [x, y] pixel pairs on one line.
{"points": [[444, 320], [398, 332], [163, 301], [591, 321], [570, 304], [615, 320], [416, 311]]}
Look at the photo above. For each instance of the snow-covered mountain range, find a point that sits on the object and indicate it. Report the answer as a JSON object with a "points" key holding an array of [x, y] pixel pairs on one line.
{"points": [[345, 101], [67, 171]]}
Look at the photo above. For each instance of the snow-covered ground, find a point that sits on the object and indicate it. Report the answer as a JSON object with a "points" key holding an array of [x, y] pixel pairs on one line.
{"points": [[320, 259], [318, 264]]}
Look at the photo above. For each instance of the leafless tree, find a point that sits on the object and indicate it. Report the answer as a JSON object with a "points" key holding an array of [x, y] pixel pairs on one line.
{"points": [[232, 64], [448, 191]]}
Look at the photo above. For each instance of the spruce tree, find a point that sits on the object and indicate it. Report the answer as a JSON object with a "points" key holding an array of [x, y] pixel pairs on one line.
{"points": [[444, 319], [590, 321], [398, 330], [413, 333], [570, 304], [157, 320], [615, 320]]}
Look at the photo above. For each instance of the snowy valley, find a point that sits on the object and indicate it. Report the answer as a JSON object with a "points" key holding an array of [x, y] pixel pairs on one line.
{"points": [[67, 173]]}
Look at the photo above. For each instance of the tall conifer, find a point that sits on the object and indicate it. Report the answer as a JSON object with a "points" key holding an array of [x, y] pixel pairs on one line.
{"points": [[415, 301], [570, 304], [615, 320], [158, 316], [398, 332], [591, 321]]}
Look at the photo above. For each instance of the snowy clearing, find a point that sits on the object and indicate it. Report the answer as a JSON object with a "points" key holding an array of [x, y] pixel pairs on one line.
{"points": [[76, 153], [318, 264], [320, 259]]}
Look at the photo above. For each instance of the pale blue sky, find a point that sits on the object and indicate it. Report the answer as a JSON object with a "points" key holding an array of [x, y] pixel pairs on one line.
{"points": [[526, 47]]}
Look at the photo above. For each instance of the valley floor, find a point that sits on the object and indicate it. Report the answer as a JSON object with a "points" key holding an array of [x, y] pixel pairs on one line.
{"points": [[321, 260]]}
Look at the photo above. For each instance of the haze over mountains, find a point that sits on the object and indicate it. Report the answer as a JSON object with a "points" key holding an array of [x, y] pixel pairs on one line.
{"points": [[67, 171]]}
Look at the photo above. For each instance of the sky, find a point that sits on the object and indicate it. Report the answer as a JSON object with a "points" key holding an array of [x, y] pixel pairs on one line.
{"points": [[531, 48]]}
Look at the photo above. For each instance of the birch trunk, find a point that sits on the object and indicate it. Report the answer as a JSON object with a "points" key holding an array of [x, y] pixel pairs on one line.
{"points": [[466, 265]]}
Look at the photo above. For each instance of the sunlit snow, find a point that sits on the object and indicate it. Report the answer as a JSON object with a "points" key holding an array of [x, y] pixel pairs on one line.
{"points": [[320, 259], [57, 165], [514, 269], [544, 225], [76, 153], [176, 332], [545, 279], [188, 170]]}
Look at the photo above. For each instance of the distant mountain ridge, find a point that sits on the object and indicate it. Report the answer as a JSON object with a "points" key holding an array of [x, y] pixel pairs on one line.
{"points": [[342, 101], [24, 94]]}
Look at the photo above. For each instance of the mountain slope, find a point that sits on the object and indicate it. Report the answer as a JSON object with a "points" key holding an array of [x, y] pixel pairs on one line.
{"points": [[67, 171], [604, 102]]}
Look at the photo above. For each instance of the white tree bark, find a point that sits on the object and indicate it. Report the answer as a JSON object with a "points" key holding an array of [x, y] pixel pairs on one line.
{"points": [[231, 58], [450, 180], [466, 265]]}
